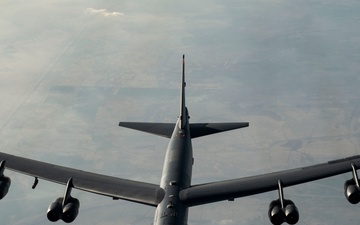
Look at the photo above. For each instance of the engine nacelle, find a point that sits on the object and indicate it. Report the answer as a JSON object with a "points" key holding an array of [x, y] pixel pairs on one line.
{"points": [[71, 210], [291, 212], [279, 215], [5, 183], [67, 213], [55, 210], [276, 214], [352, 192]]}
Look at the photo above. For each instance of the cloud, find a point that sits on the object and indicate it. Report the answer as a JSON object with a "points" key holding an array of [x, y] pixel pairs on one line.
{"points": [[227, 222], [103, 12]]}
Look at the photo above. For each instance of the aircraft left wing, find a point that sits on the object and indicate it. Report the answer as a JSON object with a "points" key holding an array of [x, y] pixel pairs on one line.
{"points": [[117, 188], [230, 189]]}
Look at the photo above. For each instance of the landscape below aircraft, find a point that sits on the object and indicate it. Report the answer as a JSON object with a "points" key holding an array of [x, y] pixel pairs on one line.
{"points": [[175, 195]]}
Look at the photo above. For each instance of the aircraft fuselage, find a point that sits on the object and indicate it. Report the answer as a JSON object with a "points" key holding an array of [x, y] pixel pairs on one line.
{"points": [[176, 176]]}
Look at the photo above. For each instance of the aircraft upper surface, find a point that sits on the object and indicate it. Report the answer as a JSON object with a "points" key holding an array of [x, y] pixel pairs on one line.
{"points": [[175, 194]]}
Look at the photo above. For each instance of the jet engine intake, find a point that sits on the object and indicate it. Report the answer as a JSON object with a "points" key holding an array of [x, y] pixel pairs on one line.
{"points": [[276, 214], [291, 212], [71, 210], [279, 215], [352, 192], [55, 210]]}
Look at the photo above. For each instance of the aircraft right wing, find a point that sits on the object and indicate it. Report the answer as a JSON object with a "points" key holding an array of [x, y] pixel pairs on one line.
{"points": [[230, 189]]}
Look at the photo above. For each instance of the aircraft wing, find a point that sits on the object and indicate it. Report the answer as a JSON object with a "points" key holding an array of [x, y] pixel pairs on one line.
{"points": [[230, 189], [117, 188]]}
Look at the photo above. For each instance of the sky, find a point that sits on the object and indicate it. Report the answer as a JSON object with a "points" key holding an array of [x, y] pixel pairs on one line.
{"points": [[71, 70]]}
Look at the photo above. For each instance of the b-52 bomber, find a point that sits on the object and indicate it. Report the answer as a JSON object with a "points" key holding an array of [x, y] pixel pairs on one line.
{"points": [[175, 194]]}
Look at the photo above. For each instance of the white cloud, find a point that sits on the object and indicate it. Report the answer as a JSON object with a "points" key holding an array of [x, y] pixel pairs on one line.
{"points": [[103, 12], [226, 222]]}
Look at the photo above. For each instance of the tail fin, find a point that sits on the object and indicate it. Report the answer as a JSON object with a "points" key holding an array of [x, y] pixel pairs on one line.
{"points": [[183, 113], [196, 129]]}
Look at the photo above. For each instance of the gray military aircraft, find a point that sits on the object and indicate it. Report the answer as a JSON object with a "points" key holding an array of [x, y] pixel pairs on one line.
{"points": [[175, 194]]}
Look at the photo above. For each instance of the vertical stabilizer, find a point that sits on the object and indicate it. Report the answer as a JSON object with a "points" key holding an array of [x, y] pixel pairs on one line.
{"points": [[183, 116]]}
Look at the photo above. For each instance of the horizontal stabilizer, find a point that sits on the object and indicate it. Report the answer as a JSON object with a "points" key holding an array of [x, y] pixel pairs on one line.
{"points": [[203, 129], [196, 129], [161, 129]]}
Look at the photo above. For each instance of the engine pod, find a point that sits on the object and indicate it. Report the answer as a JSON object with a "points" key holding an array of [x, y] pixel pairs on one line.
{"points": [[70, 210], [54, 212]]}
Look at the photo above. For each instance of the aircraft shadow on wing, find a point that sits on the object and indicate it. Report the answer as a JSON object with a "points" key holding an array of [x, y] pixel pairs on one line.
{"points": [[175, 195]]}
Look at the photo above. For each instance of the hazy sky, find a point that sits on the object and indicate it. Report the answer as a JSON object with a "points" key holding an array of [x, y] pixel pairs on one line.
{"points": [[71, 70]]}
